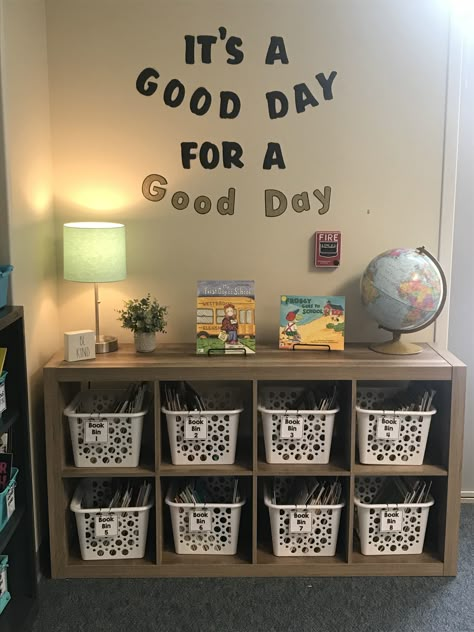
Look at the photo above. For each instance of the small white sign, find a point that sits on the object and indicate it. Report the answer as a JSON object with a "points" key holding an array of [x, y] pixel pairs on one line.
{"points": [[106, 525], [3, 398], [388, 428], [195, 427], [79, 345], [300, 521], [200, 520], [291, 427], [10, 502], [3, 582], [391, 520], [96, 431]]}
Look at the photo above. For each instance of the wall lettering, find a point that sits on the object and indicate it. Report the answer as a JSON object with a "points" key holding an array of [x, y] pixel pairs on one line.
{"points": [[227, 105]]}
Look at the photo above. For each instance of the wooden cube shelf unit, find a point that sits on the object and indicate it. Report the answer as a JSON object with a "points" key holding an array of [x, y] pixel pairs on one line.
{"points": [[249, 373]]}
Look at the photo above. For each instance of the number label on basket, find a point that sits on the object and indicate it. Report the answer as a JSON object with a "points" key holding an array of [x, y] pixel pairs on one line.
{"points": [[200, 520], [96, 431], [3, 399], [391, 520], [291, 427], [10, 501], [388, 428], [195, 427], [300, 521], [106, 525]]}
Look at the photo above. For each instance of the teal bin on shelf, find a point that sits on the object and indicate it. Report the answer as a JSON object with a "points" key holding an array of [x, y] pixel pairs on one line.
{"points": [[4, 277], [4, 594], [7, 499]]}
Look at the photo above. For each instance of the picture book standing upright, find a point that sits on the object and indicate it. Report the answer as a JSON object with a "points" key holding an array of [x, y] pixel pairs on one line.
{"points": [[312, 320], [225, 321]]}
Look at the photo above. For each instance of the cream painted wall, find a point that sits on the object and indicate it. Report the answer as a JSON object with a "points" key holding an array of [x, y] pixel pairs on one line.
{"points": [[461, 341], [378, 144], [4, 236], [24, 74]]}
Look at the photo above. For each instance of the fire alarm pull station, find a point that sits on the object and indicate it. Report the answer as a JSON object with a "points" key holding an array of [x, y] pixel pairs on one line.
{"points": [[327, 248]]}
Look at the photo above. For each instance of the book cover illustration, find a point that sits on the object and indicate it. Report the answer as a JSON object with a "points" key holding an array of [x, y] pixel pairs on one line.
{"points": [[312, 320], [225, 320]]}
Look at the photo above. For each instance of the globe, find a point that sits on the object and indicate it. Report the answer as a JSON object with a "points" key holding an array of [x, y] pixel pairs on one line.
{"points": [[404, 290]]}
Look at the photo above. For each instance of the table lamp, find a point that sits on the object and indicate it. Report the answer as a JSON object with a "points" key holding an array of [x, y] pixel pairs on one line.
{"points": [[94, 252]]}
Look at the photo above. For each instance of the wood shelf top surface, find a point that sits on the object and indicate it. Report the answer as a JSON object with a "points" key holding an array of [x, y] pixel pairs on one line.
{"points": [[267, 565], [145, 470], [427, 469], [240, 468], [333, 468], [169, 357]]}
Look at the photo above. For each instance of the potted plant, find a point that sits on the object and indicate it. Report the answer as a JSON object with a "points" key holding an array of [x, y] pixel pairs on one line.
{"points": [[144, 316]]}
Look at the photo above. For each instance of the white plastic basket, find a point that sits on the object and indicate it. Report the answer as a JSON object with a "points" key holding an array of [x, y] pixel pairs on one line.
{"points": [[310, 444], [129, 527], [389, 437], [323, 525], [118, 438], [220, 529], [409, 526], [207, 437]]}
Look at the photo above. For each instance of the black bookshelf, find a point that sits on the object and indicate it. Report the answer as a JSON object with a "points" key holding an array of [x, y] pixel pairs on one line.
{"points": [[17, 538]]}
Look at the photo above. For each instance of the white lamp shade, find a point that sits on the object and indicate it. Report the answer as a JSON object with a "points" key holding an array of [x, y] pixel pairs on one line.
{"points": [[94, 252]]}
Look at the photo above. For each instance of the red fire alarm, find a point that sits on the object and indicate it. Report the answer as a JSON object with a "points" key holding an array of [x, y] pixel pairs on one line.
{"points": [[327, 249]]}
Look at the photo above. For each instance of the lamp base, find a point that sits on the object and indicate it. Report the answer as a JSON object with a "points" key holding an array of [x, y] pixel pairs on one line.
{"points": [[106, 344]]}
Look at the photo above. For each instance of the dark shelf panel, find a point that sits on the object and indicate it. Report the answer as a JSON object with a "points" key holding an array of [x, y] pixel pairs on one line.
{"points": [[17, 538], [10, 527], [9, 315], [8, 419]]}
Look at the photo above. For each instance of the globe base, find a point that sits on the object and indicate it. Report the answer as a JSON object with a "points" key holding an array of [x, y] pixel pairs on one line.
{"points": [[396, 347]]}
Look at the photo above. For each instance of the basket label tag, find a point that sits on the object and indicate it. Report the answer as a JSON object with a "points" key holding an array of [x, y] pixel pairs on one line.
{"points": [[291, 427], [200, 520], [3, 581], [388, 428], [391, 520], [3, 398], [106, 525], [10, 502], [96, 431], [195, 427], [300, 521]]}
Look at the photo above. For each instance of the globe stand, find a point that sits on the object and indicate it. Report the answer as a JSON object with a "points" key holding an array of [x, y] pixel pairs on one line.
{"points": [[396, 346]]}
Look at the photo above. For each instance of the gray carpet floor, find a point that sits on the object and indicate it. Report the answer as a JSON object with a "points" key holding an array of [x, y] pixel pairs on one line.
{"points": [[363, 604]]}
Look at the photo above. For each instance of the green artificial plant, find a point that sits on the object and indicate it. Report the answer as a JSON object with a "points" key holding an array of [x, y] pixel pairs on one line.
{"points": [[143, 315]]}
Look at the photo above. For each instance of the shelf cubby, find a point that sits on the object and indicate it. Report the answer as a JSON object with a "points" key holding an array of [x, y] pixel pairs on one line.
{"points": [[355, 366]]}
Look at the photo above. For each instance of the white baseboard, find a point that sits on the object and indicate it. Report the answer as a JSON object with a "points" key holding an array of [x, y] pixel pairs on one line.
{"points": [[467, 497]]}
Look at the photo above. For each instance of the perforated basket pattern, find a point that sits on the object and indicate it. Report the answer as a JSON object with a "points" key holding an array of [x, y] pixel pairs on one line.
{"points": [[314, 447], [408, 449], [322, 540], [409, 541], [132, 526], [224, 535], [223, 414], [124, 432]]}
